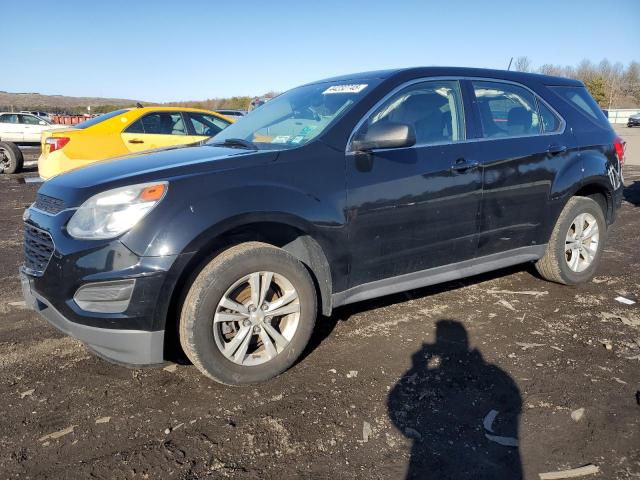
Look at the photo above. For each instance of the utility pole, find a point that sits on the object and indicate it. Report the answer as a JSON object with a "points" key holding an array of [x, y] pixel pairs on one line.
{"points": [[611, 89]]}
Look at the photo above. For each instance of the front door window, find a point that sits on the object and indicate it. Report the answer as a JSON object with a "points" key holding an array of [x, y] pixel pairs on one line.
{"points": [[433, 109]]}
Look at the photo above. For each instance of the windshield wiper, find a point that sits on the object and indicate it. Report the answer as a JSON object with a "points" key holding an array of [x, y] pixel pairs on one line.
{"points": [[236, 143]]}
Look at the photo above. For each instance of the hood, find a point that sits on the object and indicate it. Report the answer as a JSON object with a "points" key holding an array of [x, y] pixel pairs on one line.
{"points": [[76, 186]]}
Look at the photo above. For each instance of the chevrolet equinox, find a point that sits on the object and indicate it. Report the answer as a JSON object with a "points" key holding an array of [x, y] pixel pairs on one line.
{"points": [[331, 193]]}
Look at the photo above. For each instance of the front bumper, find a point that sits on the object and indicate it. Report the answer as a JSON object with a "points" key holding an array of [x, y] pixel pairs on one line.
{"points": [[131, 334], [130, 347]]}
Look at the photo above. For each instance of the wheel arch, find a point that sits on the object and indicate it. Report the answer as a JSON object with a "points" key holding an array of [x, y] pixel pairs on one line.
{"points": [[286, 233], [601, 194], [584, 175]]}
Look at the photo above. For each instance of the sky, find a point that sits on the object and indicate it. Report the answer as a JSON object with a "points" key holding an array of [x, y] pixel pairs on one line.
{"points": [[160, 51]]}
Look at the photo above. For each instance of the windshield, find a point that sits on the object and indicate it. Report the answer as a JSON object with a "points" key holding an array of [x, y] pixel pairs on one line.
{"points": [[296, 117], [100, 118]]}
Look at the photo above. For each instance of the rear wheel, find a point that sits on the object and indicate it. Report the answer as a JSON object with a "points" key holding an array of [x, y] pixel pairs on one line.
{"points": [[248, 314], [576, 244], [11, 159]]}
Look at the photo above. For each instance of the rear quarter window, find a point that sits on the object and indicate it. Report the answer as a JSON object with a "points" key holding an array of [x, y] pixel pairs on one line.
{"points": [[580, 99]]}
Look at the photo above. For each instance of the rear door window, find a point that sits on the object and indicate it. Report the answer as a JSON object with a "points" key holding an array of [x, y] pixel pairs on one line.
{"points": [[506, 110], [579, 97], [9, 118], [206, 125], [550, 121], [135, 127], [163, 123]]}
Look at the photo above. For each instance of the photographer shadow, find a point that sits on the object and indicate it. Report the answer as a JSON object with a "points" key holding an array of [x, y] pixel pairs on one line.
{"points": [[460, 412]]}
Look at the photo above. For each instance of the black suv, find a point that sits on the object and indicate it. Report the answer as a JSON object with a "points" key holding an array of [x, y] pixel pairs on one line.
{"points": [[331, 193]]}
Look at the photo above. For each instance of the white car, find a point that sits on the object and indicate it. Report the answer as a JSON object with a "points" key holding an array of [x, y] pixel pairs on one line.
{"points": [[38, 113], [24, 127]]}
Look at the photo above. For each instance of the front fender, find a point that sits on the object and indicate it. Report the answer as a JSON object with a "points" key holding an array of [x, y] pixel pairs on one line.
{"points": [[289, 190], [187, 228]]}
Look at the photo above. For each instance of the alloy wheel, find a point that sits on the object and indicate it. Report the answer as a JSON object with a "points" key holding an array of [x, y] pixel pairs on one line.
{"points": [[581, 243], [256, 318]]}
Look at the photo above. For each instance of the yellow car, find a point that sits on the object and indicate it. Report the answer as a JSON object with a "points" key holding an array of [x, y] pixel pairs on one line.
{"points": [[125, 131]]}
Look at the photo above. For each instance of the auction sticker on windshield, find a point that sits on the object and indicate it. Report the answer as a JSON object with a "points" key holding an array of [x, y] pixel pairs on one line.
{"points": [[281, 139], [353, 88]]}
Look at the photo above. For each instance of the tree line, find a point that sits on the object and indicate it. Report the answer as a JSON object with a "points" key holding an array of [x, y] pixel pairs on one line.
{"points": [[230, 103], [612, 85]]}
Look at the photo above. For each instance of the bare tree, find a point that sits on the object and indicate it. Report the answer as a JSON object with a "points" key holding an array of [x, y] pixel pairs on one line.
{"points": [[549, 69], [630, 85], [612, 85], [522, 64], [585, 71]]}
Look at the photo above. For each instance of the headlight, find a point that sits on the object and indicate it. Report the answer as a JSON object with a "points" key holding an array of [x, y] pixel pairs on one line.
{"points": [[110, 213]]}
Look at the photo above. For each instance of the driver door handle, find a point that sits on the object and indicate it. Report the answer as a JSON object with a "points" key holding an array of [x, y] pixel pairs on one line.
{"points": [[555, 149], [462, 165], [135, 140]]}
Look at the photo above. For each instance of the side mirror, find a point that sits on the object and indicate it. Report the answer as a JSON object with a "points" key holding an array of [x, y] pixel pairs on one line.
{"points": [[42, 122], [385, 135]]}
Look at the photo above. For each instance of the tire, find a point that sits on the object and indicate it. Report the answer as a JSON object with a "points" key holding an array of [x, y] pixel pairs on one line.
{"points": [[11, 159], [556, 264], [203, 339]]}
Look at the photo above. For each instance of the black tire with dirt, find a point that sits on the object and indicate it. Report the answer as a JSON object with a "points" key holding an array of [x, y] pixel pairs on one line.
{"points": [[554, 265], [11, 159], [208, 288]]}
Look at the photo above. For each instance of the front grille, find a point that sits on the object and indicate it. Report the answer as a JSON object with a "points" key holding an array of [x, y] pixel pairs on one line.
{"points": [[38, 248], [49, 204]]}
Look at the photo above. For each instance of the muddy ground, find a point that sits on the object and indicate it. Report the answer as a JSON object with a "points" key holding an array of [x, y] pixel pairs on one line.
{"points": [[389, 387]]}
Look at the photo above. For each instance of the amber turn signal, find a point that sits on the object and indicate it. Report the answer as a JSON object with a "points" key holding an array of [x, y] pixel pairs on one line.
{"points": [[154, 192]]}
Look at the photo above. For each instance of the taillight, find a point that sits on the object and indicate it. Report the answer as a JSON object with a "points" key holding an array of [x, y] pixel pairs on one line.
{"points": [[620, 145], [56, 143]]}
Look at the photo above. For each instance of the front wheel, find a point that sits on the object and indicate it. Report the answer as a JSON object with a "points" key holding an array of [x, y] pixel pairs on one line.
{"points": [[576, 244], [248, 315]]}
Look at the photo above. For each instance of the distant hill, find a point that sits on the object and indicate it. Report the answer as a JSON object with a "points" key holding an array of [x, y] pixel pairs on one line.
{"points": [[64, 104], [60, 103]]}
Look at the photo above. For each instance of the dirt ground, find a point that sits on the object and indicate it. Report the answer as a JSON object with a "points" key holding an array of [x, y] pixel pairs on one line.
{"points": [[438, 383]]}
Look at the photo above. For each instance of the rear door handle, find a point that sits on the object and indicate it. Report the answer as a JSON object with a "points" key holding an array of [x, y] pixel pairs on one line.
{"points": [[555, 149], [461, 165], [135, 140]]}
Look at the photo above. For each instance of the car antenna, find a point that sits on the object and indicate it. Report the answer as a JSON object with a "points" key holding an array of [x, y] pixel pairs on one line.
{"points": [[509, 67], [139, 105]]}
